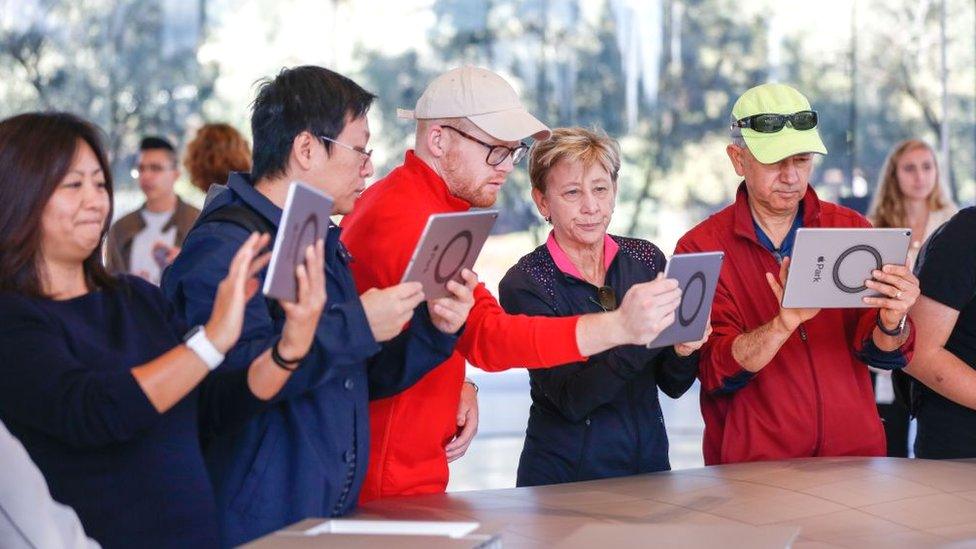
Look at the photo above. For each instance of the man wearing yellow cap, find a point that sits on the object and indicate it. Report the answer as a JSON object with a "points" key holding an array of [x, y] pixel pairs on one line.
{"points": [[787, 383], [470, 127]]}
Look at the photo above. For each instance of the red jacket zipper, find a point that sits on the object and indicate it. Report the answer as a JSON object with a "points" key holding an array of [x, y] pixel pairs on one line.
{"points": [[816, 390]]}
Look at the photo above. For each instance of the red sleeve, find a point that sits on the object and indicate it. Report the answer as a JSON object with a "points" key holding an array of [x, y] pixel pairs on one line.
{"points": [[718, 371], [494, 340]]}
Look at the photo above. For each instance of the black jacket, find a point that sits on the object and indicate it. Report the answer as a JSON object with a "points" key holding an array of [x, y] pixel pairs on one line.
{"points": [[599, 418]]}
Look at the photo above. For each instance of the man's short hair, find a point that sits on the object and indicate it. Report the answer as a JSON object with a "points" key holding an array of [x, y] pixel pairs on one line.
{"points": [[306, 98], [155, 142]]}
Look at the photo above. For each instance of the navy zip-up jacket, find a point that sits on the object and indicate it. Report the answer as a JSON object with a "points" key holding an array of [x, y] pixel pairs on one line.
{"points": [[599, 418], [305, 455]]}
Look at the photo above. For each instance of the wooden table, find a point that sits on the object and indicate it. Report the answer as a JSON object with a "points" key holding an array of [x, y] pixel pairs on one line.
{"points": [[836, 502]]}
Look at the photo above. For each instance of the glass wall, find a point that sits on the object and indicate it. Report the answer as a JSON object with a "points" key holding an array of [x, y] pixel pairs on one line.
{"points": [[660, 75]]}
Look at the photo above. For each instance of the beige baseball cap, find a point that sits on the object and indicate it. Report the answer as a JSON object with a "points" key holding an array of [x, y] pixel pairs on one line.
{"points": [[482, 97]]}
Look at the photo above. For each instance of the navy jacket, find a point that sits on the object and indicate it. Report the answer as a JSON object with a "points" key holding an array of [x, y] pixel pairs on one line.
{"points": [[305, 455], [135, 477], [599, 418]]}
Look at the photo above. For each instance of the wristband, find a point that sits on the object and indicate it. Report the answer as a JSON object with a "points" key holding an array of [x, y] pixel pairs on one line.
{"points": [[471, 383], [281, 362], [900, 329], [197, 341]]}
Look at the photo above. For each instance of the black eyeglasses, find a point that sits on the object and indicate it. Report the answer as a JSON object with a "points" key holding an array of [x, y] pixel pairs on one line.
{"points": [[606, 298], [367, 154], [772, 123], [497, 153]]}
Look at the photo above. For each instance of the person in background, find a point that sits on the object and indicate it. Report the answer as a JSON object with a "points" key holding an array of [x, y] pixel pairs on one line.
{"points": [[600, 417], [216, 150], [909, 194], [145, 241], [107, 389]]}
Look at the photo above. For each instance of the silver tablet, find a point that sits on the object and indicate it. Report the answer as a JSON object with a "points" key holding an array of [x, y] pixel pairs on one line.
{"points": [[304, 220], [697, 275], [829, 266], [450, 243]]}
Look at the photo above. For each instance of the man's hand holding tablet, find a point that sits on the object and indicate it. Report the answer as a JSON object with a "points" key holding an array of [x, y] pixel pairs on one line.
{"points": [[449, 313], [789, 317], [899, 289]]}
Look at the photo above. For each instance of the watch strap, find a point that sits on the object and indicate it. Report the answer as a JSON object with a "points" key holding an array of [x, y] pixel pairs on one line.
{"points": [[198, 342]]}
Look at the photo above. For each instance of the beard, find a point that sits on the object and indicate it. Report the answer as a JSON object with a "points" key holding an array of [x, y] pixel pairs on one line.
{"points": [[464, 184]]}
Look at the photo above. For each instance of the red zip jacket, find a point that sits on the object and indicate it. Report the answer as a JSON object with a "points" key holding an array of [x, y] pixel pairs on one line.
{"points": [[815, 397], [409, 430]]}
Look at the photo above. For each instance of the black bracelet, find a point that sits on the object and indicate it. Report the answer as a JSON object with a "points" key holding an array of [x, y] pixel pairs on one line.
{"points": [[290, 365], [893, 333]]}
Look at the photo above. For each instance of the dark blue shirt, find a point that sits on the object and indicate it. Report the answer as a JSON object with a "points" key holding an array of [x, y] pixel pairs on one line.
{"points": [[599, 418], [785, 248], [306, 454], [135, 477]]}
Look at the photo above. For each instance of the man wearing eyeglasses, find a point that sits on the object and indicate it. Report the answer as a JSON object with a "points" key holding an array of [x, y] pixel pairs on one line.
{"points": [[304, 453], [146, 241], [470, 131], [783, 383]]}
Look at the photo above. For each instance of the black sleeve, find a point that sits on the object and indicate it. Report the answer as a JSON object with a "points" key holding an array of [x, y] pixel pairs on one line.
{"points": [[948, 272], [675, 374], [47, 388], [577, 388]]}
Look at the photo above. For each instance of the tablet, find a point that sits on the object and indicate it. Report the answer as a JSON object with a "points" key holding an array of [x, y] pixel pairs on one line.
{"points": [[829, 266], [304, 220], [697, 275], [450, 243]]}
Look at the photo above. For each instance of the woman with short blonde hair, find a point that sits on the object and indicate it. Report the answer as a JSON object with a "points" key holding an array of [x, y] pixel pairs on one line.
{"points": [[600, 417], [590, 147]]}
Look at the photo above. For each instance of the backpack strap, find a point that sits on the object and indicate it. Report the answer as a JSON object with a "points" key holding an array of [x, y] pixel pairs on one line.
{"points": [[240, 215], [251, 221]]}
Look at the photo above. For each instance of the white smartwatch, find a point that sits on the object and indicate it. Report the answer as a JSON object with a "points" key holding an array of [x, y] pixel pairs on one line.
{"points": [[196, 340]]}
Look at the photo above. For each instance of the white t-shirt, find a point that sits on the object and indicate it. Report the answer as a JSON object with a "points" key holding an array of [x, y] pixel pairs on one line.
{"points": [[142, 262]]}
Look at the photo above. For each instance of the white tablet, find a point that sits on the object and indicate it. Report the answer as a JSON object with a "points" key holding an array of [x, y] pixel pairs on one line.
{"points": [[828, 267], [450, 243], [697, 275], [304, 221]]}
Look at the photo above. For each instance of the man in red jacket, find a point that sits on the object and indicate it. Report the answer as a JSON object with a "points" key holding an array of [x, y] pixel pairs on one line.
{"points": [[787, 383], [470, 124]]}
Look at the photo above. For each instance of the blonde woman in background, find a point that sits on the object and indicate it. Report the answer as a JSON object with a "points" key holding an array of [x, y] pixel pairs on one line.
{"points": [[909, 194]]}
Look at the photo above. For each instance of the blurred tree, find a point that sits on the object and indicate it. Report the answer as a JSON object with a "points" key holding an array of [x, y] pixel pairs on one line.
{"points": [[129, 66]]}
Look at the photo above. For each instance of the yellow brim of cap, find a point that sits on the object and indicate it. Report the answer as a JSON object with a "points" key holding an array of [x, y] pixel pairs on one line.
{"points": [[770, 148]]}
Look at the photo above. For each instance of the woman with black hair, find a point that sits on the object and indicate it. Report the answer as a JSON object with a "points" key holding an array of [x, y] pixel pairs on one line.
{"points": [[95, 380]]}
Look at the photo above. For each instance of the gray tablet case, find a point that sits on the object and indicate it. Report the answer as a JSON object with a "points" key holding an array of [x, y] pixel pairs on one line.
{"points": [[697, 275], [304, 220], [450, 243], [829, 266]]}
